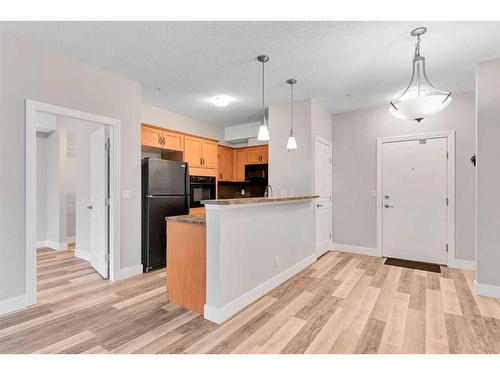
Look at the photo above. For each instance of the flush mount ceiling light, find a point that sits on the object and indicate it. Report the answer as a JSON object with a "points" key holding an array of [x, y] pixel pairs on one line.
{"points": [[420, 99], [221, 100], [263, 134], [292, 143]]}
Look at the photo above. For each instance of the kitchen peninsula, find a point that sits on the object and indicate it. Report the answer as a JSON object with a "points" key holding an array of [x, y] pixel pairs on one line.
{"points": [[252, 246]]}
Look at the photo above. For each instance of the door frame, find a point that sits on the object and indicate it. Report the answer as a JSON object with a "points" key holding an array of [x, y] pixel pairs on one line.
{"points": [[32, 107], [450, 185], [327, 142]]}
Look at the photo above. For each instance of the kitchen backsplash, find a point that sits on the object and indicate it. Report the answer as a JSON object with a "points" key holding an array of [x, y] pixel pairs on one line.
{"points": [[229, 190]]}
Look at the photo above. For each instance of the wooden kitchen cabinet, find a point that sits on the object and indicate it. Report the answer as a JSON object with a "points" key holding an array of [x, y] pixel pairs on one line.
{"points": [[257, 155], [208, 154], [193, 151], [159, 138], [200, 153], [225, 164], [151, 136], [240, 159]]}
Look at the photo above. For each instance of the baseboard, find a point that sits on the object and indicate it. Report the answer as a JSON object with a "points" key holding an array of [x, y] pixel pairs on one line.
{"points": [[463, 264], [220, 314], [130, 271], [71, 239], [487, 290], [40, 244], [356, 249], [15, 303], [85, 255]]}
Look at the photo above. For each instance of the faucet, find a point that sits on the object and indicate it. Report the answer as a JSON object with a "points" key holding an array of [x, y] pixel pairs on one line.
{"points": [[268, 193]]}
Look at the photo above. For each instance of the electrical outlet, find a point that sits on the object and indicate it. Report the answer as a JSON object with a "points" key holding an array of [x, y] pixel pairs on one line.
{"points": [[276, 261]]}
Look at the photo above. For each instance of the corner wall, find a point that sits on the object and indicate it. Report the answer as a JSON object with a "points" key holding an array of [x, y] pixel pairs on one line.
{"points": [[488, 178]]}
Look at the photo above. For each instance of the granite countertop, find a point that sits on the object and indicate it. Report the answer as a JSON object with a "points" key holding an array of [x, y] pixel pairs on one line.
{"points": [[258, 200], [188, 219]]}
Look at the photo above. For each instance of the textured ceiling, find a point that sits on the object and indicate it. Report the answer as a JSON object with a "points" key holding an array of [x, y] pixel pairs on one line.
{"points": [[344, 65]]}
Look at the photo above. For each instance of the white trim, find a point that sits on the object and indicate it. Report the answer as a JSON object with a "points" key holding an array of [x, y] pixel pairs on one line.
{"points": [[487, 290], [463, 264], [115, 139], [58, 246], [356, 249], [131, 271], [220, 314], [450, 136], [329, 143], [14, 303], [85, 255], [40, 244]]}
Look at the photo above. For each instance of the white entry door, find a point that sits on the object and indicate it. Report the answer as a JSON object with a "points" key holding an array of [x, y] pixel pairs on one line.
{"points": [[323, 183], [98, 207], [414, 200]]}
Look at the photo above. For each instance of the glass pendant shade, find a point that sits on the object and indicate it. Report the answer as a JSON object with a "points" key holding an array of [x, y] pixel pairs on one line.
{"points": [[263, 134], [420, 99], [292, 143]]}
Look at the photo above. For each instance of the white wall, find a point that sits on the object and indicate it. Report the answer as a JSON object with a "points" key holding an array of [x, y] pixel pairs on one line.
{"points": [[294, 170], [354, 170], [41, 186], [27, 71], [290, 170], [488, 177], [161, 117], [56, 189]]}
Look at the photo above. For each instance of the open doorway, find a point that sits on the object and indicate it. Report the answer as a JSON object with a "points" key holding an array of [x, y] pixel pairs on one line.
{"points": [[72, 211]]}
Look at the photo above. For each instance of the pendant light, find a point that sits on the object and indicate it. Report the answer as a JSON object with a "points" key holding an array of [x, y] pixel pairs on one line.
{"points": [[292, 143], [420, 99], [263, 134]]}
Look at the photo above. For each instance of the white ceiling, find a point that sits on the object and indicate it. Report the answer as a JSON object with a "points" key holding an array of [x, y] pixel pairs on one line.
{"points": [[344, 65]]}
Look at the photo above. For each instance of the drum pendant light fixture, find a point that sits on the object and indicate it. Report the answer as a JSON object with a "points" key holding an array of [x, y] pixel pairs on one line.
{"points": [[263, 134], [292, 143], [421, 98]]}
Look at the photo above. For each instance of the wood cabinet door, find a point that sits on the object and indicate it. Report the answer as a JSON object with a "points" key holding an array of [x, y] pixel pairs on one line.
{"points": [[264, 154], [240, 159], [208, 154], [253, 155], [192, 151], [151, 136], [173, 141], [225, 164]]}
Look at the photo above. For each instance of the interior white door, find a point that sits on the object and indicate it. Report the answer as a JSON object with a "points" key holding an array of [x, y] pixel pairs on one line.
{"points": [[323, 183], [414, 200], [98, 208]]}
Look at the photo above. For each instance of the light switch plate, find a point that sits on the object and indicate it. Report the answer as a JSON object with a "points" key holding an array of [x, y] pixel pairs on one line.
{"points": [[125, 194]]}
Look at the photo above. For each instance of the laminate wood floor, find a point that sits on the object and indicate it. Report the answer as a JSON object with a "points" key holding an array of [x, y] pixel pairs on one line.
{"points": [[343, 303]]}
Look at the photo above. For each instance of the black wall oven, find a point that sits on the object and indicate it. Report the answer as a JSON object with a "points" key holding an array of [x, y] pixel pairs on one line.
{"points": [[201, 188]]}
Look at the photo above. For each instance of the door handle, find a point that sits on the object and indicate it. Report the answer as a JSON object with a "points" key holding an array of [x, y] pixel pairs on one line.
{"points": [[319, 205], [89, 207], [387, 205]]}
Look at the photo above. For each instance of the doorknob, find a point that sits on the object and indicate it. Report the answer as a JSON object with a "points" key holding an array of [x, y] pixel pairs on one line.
{"points": [[387, 205], [89, 207], [319, 205]]}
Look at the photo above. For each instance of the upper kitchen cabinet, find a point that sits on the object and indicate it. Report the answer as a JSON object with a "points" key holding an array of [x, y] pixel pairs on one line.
{"points": [[240, 159], [209, 154], [225, 163], [151, 136], [156, 137], [257, 155], [200, 153]]}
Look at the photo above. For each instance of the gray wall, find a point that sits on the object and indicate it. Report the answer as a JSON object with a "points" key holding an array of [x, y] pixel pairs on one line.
{"points": [[354, 170], [41, 186], [30, 72], [488, 173]]}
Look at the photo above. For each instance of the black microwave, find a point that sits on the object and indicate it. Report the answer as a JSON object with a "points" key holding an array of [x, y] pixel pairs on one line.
{"points": [[256, 172]]}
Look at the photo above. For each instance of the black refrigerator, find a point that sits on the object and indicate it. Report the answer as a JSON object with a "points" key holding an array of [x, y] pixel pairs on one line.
{"points": [[165, 192]]}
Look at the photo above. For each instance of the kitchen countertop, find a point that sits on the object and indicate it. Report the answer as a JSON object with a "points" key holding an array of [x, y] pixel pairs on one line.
{"points": [[226, 202], [188, 219]]}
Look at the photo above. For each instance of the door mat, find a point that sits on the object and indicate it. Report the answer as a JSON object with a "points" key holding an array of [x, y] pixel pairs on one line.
{"points": [[430, 267]]}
